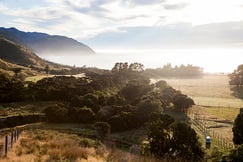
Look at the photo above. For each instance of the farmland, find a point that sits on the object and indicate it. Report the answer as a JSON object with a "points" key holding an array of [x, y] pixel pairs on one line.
{"points": [[210, 90]]}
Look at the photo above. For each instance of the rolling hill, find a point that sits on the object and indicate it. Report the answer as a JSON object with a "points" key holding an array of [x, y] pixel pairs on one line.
{"points": [[13, 55], [45, 44]]}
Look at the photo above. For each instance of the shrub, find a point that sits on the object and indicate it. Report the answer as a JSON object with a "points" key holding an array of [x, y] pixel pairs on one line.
{"points": [[56, 113], [85, 115]]}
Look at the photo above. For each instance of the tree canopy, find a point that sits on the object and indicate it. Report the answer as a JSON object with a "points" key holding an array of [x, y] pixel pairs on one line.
{"points": [[236, 78], [178, 71], [237, 129], [174, 139]]}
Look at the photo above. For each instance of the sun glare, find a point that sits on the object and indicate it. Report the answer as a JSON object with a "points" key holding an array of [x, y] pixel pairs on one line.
{"points": [[211, 60], [208, 11]]}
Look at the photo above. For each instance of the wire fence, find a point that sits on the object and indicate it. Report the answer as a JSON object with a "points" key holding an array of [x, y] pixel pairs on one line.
{"points": [[217, 138], [7, 139]]}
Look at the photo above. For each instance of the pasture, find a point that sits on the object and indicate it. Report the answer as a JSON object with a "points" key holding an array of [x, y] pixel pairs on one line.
{"points": [[209, 90]]}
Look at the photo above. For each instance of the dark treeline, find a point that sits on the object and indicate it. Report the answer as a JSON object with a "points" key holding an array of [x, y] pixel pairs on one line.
{"points": [[236, 82], [12, 121], [182, 71], [123, 95]]}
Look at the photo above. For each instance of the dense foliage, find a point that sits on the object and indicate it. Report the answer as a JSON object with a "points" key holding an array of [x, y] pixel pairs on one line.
{"points": [[11, 89], [177, 71], [123, 97], [173, 139], [237, 129], [12, 121], [236, 78], [236, 82]]}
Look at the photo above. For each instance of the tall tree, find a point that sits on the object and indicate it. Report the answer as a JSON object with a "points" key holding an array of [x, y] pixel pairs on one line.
{"points": [[237, 129], [236, 78], [174, 139], [47, 69]]}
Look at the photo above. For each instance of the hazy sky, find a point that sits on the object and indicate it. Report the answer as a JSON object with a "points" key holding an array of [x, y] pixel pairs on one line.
{"points": [[132, 23]]}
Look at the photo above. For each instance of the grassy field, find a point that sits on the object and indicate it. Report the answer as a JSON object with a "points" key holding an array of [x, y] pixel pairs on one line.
{"points": [[224, 113], [39, 77], [51, 145], [210, 90]]}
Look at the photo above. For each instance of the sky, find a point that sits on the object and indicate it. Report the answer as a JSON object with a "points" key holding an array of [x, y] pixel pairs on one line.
{"points": [[131, 24], [109, 25]]}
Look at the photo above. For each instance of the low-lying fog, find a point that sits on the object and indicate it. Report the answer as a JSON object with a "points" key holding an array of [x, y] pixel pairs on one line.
{"points": [[211, 60]]}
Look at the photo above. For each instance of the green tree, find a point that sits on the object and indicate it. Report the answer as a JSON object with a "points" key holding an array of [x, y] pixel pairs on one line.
{"points": [[85, 115], [159, 139], [237, 129], [158, 134], [174, 139], [136, 67], [135, 90], [148, 106], [123, 121], [47, 69], [236, 78], [185, 142], [11, 90], [56, 113], [161, 85], [182, 102]]}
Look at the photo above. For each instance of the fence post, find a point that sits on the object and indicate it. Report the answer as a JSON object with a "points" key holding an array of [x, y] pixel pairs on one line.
{"points": [[6, 145], [12, 139], [17, 132], [15, 135]]}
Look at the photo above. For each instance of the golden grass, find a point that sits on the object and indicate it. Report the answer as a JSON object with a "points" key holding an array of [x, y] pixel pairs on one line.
{"points": [[37, 78], [210, 90], [52, 146], [225, 113], [49, 145]]}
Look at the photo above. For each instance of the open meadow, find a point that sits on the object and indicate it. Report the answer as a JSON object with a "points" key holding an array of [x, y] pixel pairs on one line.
{"points": [[209, 90]]}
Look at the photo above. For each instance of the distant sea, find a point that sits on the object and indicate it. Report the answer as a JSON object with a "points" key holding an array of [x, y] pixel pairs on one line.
{"points": [[211, 60]]}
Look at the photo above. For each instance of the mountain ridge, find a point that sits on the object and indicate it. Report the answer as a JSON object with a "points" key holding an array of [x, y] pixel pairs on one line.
{"points": [[44, 44]]}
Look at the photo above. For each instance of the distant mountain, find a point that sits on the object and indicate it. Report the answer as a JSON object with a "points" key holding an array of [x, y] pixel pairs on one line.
{"points": [[44, 44]]}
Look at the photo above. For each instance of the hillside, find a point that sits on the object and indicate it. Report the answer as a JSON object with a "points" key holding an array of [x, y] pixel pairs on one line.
{"points": [[14, 56], [44, 44]]}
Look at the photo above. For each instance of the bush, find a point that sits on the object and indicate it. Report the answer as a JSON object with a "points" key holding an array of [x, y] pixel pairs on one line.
{"points": [[56, 113], [85, 115]]}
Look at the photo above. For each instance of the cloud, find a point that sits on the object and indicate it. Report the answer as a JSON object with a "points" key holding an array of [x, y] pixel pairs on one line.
{"points": [[145, 2], [94, 7], [95, 18], [175, 6], [182, 35]]}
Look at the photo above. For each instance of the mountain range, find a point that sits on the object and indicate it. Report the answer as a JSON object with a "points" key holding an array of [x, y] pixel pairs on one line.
{"points": [[25, 50], [44, 44]]}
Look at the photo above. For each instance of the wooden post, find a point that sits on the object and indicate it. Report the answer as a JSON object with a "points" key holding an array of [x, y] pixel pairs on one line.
{"points": [[17, 132], [12, 137], [6, 146], [15, 135]]}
